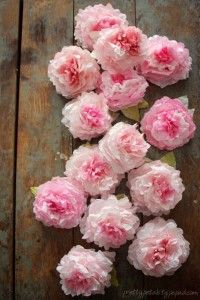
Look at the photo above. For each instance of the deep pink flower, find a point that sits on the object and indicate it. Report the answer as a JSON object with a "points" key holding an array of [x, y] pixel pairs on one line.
{"points": [[166, 61], [85, 272], [60, 203], [87, 116], [93, 19], [120, 49], [123, 89], [109, 222], [155, 188], [73, 71], [168, 124], [159, 248]]}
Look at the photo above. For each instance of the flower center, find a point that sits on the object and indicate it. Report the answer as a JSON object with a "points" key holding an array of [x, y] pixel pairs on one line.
{"points": [[105, 23], [113, 232], [171, 126], [92, 116], [118, 78], [160, 252], [129, 41], [78, 281], [162, 188], [56, 207], [70, 70], [125, 142], [164, 56], [95, 169]]}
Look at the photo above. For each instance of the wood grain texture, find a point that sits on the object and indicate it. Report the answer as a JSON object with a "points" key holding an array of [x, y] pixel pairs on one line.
{"points": [[47, 27], [179, 19], [9, 11]]}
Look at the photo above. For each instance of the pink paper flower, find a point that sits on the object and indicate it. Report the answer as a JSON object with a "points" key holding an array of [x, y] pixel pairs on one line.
{"points": [[120, 49], [155, 188], [123, 89], [85, 272], [88, 166], [88, 116], [166, 61], [93, 19], [159, 248], [123, 147], [109, 222], [168, 124], [73, 71], [60, 203]]}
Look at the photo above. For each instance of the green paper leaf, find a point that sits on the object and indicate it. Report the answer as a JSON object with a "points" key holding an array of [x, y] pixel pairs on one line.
{"points": [[143, 104], [120, 196], [114, 280], [34, 190], [131, 113], [184, 100], [169, 159]]}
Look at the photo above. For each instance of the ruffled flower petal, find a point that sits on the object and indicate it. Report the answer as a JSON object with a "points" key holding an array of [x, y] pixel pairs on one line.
{"points": [[168, 124], [159, 248], [109, 222], [85, 272]]}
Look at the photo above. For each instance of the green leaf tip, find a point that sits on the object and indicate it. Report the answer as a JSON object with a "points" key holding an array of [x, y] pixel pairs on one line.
{"points": [[34, 190], [114, 280], [169, 159]]}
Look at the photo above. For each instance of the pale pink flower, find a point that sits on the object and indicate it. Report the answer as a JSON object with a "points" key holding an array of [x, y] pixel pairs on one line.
{"points": [[155, 188], [60, 203], [109, 222], [93, 19], [87, 116], [159, 248], [120, 49], [168, 124], [73, 71], [123, 147], [166, 61], [85, 271], [88, 166], [123, 89]]}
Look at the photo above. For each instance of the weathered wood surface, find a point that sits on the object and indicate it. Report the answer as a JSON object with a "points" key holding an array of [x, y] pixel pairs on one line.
{"points": [[47, 26], [9, 11]]}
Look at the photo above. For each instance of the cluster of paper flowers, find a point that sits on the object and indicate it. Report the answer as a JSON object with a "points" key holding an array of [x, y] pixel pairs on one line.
{"points": [[128, 59]]}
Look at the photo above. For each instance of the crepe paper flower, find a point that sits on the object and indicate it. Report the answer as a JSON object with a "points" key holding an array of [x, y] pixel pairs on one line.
{"points": [[155, 188], [123, 89], [59, 202], [109, 222], [159, 248], [166, 61], [168, 124], [93, 19], [123, 147], [85, 271], [120, 49], [73, 71], [88, 166], [88, 116]]}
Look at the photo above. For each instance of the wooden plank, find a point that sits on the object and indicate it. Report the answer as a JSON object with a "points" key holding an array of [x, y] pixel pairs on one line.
{"points": [[129, 278], [47, 27], [9, 12], [179, 20]]}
